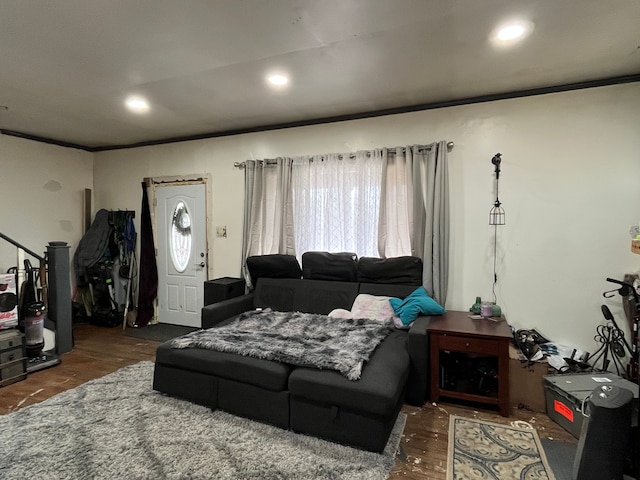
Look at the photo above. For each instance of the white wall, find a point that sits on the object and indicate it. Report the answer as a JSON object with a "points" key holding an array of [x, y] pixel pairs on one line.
{"points": [[42, 191], [570, 186]]}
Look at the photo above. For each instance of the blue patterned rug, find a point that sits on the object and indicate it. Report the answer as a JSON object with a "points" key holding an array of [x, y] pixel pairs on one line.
{"points": [[485, 450]]}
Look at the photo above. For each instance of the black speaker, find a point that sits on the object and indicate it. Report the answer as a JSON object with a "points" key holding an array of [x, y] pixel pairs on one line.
{"points": [[222, 289], [605, 439]]}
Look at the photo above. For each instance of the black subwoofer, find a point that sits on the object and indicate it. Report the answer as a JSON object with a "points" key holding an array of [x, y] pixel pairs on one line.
{"points": [[604, 445]]}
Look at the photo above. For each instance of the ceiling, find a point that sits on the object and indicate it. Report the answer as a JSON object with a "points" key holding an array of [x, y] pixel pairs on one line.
{"points": [[67, 66]]}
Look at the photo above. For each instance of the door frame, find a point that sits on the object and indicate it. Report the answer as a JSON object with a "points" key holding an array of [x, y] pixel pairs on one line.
{"points": [[193, 179]]}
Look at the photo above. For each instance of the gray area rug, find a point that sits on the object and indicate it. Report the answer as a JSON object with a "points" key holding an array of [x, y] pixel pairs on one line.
{"points": [[159, 332], [118, 427]]}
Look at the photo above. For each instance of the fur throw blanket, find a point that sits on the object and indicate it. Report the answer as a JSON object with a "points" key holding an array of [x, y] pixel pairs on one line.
{"points": [[302, 339]]}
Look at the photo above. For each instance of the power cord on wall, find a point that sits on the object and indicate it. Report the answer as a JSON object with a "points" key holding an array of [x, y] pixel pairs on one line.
{"points": [[496, 217], [495, 255]]}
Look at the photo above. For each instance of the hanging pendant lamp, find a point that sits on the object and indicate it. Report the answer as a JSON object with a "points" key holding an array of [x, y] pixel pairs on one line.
{"points": [[496, 214]]}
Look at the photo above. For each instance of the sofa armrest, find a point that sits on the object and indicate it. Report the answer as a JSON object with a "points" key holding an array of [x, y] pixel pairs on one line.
{"points": [[217, 312], [417, 385]]}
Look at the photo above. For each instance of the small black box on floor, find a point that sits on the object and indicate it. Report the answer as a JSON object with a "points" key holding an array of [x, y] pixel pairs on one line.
{"points": [[221, 289], [13, 358], [566, 393]]}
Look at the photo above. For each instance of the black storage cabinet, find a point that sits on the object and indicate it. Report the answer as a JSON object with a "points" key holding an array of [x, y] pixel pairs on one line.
{"points": [[13, 357], [223, 288]]}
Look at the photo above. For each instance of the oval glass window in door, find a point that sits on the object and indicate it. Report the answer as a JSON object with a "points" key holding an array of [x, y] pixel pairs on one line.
{"points": [[180, 237]]}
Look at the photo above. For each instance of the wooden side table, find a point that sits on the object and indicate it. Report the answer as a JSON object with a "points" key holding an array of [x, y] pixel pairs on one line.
{"points": [[456, 332]]}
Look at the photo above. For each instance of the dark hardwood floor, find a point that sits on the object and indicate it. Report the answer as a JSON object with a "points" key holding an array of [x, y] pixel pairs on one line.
{"points": [[100, 350], [97, 351]]}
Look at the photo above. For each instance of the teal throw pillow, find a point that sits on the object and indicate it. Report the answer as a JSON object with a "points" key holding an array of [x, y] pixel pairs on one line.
{"points": [[418, 303]]}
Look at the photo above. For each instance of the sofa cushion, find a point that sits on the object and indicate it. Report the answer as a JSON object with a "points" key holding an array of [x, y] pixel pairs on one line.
{"points": [[399, 291], [378, 390], [277, 294], [273, 266], [321, 296], [397, 270], [308, 296], [342, 267], [254, 371]]}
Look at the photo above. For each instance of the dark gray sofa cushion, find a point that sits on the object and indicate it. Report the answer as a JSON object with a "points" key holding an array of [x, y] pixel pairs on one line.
{"points": [[390, 271], [218, 312], [399, 291], [378, 390], [199, 388], [253, 402], [322, 296], [273, 266], [309, 296], [254, 371], [340, 267], [276, 294]]}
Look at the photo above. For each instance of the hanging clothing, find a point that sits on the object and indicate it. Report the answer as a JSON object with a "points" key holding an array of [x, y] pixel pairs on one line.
{"points": [[268, 211], [148, 286], [92, 246]]}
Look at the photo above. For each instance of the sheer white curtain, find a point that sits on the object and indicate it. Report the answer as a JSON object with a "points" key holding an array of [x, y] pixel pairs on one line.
{"points": [[268, 213], [396, 205], [336, 200], [414, 210]]}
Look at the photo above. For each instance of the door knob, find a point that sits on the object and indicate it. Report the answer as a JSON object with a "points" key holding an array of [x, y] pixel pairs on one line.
{"points": [[201, 264]]}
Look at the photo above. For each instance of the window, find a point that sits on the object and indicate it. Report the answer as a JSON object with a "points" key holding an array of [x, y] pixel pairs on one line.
{"points": [[336, 202], [384, 202], [180, 237]]}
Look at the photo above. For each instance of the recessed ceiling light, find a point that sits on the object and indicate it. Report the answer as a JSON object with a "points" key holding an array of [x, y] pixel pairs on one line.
{"points": [[512, 32], [137, 104], [277, 80]]}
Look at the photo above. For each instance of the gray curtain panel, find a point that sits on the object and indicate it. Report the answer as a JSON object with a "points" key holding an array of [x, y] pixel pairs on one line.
{"points": [[415, 198], [431, 236], [268, 210]]}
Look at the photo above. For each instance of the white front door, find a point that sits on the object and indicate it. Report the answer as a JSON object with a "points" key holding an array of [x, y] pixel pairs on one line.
{"points": [[182, 253]]}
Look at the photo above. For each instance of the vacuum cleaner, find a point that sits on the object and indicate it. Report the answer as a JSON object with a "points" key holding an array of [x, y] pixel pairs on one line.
{"points": [[32, 316]]}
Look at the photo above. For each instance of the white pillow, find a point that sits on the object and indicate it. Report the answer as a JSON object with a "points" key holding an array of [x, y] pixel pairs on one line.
{"points": [[373, 307], [399, 325], [340, 313]]}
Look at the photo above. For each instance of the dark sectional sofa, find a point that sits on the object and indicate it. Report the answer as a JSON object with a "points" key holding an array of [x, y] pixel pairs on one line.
{"points": [[322, 403]]}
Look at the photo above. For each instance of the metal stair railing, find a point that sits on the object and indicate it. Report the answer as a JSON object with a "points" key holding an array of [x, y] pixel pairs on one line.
{"points": [[55, 264]]}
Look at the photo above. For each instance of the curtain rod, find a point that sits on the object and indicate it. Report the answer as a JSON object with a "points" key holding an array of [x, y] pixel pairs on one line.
{"points": [[450, 146]]}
